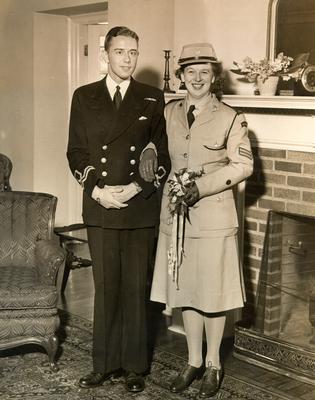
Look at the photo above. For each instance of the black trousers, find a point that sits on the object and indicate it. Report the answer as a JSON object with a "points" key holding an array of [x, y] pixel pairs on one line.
{"points": [[120, 259]]}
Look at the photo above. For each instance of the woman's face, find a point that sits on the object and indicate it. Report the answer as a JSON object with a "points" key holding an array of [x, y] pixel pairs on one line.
{"points": [[198, 79]]}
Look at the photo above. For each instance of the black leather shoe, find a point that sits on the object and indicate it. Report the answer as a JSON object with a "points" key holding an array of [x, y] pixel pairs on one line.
{"points": [[93, 379], [211, 382], [134, 382], [185, 378]]}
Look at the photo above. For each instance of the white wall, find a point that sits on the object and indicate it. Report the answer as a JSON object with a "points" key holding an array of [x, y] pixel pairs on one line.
{"points": [[17, 85], [236, 28], [153, 20], [51, 109], [16, 100]]}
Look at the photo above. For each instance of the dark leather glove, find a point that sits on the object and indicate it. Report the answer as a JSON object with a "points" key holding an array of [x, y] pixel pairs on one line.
{"points": [[148, 165], [192, 194]]}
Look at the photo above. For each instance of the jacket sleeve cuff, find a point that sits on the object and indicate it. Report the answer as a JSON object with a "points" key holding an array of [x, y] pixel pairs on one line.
{"points": [[147, 187], [90, 183]]}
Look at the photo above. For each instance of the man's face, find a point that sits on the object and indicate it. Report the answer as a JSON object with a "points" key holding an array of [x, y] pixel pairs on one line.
{"points": [[198, 78], [122, 57]]}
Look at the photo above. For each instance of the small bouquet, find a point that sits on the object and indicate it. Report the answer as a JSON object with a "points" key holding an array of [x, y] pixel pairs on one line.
{"points": [[264, 68], [179, 210]]}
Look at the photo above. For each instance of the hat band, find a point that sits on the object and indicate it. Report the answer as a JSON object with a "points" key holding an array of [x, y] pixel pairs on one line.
{"points": [[202, 58]]}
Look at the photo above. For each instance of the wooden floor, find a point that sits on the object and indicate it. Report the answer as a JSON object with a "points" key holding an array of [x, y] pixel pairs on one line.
{"points": [[78, 299]]}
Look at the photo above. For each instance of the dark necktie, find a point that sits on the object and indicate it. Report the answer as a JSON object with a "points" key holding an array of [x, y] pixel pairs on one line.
{"points": [[117, 99], [190, 115]]}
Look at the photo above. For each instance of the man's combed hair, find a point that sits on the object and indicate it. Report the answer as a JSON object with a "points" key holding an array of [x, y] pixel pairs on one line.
{"points": [[119, 31]]}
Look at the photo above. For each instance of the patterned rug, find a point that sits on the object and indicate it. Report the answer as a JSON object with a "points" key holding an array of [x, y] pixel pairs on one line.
{"points": [[27, 376]]}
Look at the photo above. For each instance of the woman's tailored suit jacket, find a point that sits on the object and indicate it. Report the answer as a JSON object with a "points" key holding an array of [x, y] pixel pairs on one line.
{"points": [[217, 144], [105, 147]]}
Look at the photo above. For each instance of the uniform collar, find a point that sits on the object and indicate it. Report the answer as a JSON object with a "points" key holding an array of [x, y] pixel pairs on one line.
{"points": [[209, 104], [111, 86], [206, 103]]}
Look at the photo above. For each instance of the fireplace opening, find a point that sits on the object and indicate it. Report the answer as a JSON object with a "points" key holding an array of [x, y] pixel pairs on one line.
{"points": [[282, 335]]}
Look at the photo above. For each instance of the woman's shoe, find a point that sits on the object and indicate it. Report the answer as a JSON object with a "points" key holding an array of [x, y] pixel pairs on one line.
{"points": [[211, 382], [185, 378]]}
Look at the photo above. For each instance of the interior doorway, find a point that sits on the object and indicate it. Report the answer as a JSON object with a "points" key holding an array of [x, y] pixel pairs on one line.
{"points": [[68, 53], [87, 65], [87, 41]]}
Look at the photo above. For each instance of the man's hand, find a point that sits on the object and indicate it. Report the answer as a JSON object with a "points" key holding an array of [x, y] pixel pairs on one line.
{"points": [[192, 194], [148, 165], [106, 196], [127, 193]]}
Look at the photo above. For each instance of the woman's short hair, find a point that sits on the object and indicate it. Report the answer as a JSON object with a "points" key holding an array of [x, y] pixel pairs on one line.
{"points": [[119, 31]]}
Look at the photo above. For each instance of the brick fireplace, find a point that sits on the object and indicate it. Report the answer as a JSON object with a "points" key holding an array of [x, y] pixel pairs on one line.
{"points": [[283, 180], [282, 332], [277, 330]]}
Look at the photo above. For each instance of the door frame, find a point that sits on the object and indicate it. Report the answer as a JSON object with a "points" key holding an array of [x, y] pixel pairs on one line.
{"points": [[77, 34]]}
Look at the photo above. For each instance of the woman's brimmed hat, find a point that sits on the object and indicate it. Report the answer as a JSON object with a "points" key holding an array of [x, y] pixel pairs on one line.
{"points": [[198, 53]]}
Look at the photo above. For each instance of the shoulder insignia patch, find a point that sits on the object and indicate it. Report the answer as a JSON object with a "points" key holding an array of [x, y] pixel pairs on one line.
{"points": [[245, 153], [244, 123]]}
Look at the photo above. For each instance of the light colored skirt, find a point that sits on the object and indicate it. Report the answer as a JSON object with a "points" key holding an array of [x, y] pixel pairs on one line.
{"points": [[210, 278]]}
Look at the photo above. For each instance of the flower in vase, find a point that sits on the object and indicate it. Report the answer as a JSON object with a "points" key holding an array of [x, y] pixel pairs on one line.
{"points": [[264, 68]]}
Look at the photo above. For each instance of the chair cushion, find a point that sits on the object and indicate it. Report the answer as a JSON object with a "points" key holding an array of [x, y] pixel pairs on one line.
{"points": [[25, 218], [20, 288]]}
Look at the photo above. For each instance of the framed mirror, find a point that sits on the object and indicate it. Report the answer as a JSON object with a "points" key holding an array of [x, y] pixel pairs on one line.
{"points": [[291, 30]]}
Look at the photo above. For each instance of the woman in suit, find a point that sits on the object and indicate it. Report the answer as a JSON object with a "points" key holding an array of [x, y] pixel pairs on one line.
{"points": [[197, 264]]}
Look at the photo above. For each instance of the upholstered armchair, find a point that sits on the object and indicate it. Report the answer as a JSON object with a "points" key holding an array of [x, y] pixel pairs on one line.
{"points": [[29, 261]]}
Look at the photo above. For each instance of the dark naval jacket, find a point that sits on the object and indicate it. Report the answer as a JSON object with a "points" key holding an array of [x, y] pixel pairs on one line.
{"points": [[105, 148]]}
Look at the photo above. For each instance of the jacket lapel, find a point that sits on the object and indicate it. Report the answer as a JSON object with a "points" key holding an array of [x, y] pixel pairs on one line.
{"points": [[205, 116], [182, 117], [101, 102], [129, 111], [207, 113]]}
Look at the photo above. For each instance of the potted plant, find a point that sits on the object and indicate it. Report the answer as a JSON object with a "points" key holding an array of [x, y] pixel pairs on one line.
{"points": [[265, 73]]}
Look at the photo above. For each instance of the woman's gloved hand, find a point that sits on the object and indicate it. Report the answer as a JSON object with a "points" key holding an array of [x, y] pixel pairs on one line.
{"points": [[192, 194]]}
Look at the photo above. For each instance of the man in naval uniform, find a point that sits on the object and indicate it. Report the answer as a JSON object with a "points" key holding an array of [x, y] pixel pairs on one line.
{"points": [[112, 122]]}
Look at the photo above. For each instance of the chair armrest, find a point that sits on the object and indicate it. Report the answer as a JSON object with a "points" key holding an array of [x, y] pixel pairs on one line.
{"points": [[49, 258]]}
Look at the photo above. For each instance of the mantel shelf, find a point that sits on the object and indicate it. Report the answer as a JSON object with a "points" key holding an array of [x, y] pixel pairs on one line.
{"points": [[275, 102], [287, 102]]}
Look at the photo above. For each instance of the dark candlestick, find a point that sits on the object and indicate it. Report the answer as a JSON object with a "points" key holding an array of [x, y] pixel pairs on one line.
{"points": [[167, 73]]}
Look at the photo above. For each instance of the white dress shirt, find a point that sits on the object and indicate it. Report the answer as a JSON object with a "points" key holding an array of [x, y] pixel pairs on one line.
{"points": [[111, 86], [199, 104]]}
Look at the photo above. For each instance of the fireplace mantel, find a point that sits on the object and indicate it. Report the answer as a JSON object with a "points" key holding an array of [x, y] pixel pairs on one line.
{"points": [[271, 102], [306, 103]]}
